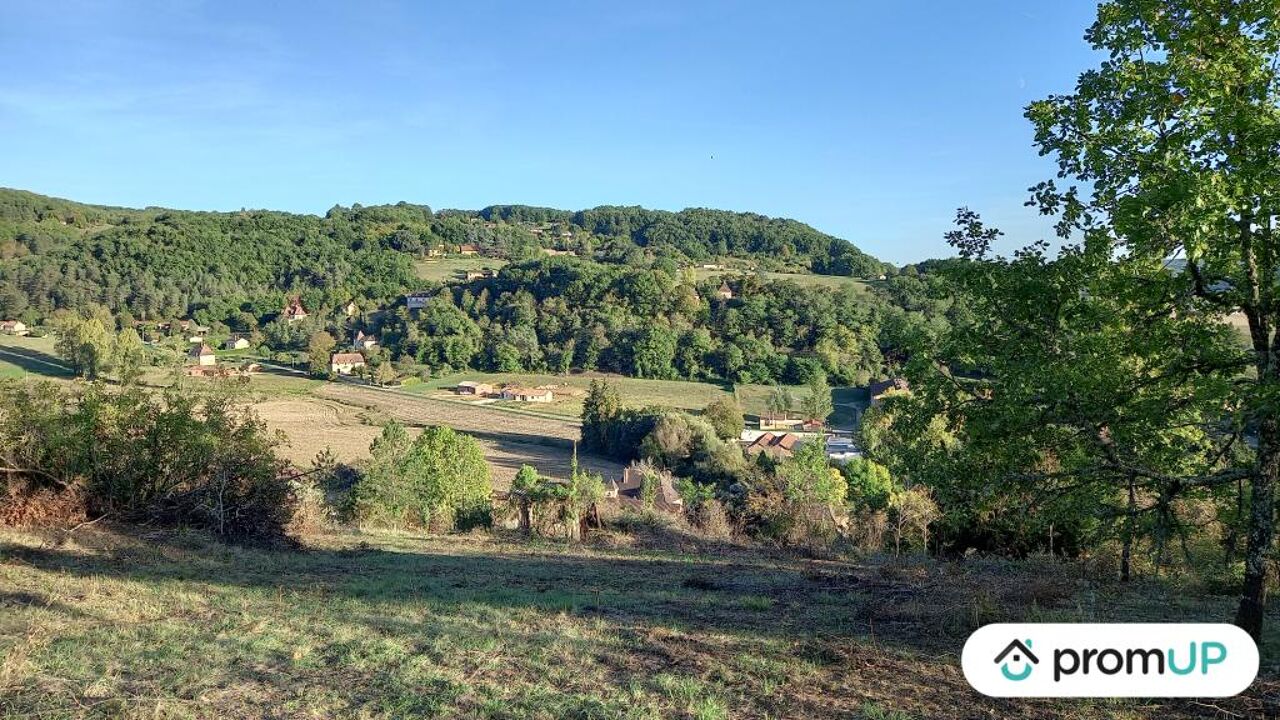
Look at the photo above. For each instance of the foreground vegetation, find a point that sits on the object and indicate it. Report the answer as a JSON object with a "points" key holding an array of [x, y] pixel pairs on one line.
{"points": [[646, 623]]}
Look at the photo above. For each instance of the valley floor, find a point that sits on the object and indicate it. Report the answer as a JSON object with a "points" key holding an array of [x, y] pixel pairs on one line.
{"points": [[99, 623]]}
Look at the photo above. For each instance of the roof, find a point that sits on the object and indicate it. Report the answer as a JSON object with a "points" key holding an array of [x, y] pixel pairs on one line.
{"points": [[884, 386], [772, 441], [347, 359], [200, 351]]}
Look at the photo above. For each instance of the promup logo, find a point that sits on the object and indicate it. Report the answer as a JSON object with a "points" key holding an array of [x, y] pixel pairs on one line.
{"points": [[1021, 654], [1120, 660]]}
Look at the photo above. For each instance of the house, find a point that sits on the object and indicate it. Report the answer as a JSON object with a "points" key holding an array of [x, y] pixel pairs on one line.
{"points": [[351, 309], [775, 445], [468, 250], [469, 387], [480, 274], [630, 489], [13, 327], [416, 301], [345, 363], [293, 310], [725, 292], [878, 390], [557, 253], [360, 341], [236, 342], [841, 449], [202, 355], [524, 394], [712, 266]]}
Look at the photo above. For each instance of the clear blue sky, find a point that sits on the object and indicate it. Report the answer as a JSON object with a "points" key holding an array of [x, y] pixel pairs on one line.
{"points": [[869, 120]]}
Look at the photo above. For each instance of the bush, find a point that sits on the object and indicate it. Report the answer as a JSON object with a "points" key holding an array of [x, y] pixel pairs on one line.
{"points": [[172, 458], [438, 481]]}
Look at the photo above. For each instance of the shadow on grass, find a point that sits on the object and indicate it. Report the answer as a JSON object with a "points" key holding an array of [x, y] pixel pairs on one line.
{"points": [[35, 361]]}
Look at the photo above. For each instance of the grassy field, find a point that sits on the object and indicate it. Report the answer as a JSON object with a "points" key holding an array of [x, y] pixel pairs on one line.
{"points": [[452, 268], [23, 356], [99, 624], [570, 390], [835, 282]]}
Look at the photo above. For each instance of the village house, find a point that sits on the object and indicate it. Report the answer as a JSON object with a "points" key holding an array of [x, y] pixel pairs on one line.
{"points": [[470, 387], [468, 250], [480, 274], [878, 390], [776, 445], [525, 394], [293, 310], [13, 327], [236, 342], [725, 292], [351, 309], [629, 491], [202, 355], [557, 253], [345, 363], [416, 301], [360, 341]]}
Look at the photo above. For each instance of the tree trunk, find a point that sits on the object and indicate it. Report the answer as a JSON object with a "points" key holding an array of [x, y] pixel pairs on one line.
{"points": [[526, 516], [1253, 600], [1130, 520]]}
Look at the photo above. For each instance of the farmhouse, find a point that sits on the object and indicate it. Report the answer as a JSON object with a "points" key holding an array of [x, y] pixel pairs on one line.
{"points": [[360, 341], [524, 394], [346, 363], [202, 355], [480, 274], [293, 310], [468, 250], [13, 327], [630, 490], [236, 342], [351, 309], [416, 301], [776, 446], [725, 292], [878, 390], [557, 253], [470, 387]]}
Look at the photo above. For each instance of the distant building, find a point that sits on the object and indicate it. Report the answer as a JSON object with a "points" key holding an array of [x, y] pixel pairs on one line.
{"points": [[469, 387], [468, 250], [360, 341], [416, 301], [293, 310], [524, 394], [841, 449], [725, 292], [878, 390], [777, 446], [630, 490], [236, 342], [351, 309], [202, 355], [556, 253], [345, 363], [14, 327], [480, 274]]}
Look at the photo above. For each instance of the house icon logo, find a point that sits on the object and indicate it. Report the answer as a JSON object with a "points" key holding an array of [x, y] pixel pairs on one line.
{"points": [[1021, 655]]}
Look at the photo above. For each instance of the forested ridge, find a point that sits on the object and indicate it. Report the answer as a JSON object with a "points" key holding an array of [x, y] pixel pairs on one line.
{"points": [[627, 300]]}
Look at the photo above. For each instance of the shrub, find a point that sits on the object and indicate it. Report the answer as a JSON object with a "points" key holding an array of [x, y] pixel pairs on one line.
{"points": [[439, 481], [172, 458]]}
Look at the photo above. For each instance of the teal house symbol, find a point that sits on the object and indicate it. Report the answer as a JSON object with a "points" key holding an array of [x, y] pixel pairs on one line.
{"points": [[1022, 655]]}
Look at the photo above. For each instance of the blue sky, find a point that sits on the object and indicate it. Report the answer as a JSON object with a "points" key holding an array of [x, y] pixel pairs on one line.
{"points": [[870, 121]]}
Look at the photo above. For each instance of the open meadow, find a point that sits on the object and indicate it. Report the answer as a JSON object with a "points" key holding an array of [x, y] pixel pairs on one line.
{"points": [[446, 269], [98, 623]]}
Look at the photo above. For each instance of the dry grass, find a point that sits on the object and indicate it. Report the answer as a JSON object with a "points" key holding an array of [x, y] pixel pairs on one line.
{"points": [[373, 626]]}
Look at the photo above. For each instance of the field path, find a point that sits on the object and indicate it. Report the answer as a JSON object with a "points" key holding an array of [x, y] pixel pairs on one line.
{"points": [[510, 439]]}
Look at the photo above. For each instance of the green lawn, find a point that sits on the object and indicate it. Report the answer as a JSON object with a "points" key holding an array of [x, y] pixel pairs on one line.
{"points": [[98, 624], [807, 279], [30, 356], [443, 269], [570, 390]]}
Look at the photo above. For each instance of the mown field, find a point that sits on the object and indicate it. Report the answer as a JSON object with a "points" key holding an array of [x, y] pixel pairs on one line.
{"points": [[570, 390], [98, 624], [835, 282], [443, 269]]}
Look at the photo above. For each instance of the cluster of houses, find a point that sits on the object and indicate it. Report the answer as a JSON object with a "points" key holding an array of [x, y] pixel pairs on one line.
{"points": [[778, 438], [516, 393], [14, 327]]}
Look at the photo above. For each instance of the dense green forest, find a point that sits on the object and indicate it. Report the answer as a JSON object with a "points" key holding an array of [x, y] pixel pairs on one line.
{"points": [[628, 301]]}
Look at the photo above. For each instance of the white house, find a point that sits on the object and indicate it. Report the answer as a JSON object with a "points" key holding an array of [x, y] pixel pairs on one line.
{"points": [[346, 363], [202, 355], [236, 342], [13, 327]]}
